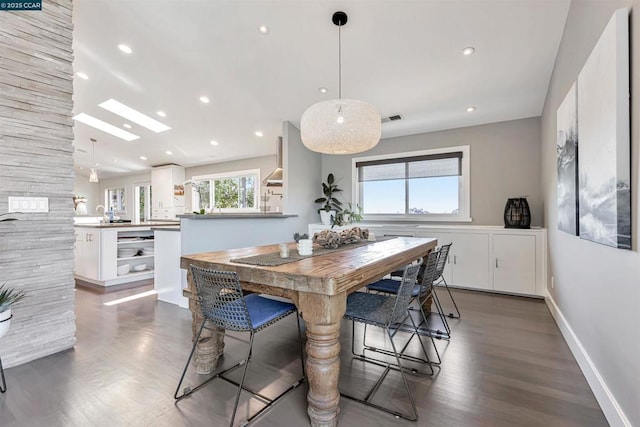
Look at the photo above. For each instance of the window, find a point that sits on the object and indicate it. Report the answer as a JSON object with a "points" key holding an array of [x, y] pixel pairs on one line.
{"points": [[234, 191], [115, 199], [430, 185]]}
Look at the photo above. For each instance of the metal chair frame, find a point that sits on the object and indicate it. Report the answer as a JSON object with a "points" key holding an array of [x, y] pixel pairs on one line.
{"points": [[440, 280], [425, 277], [396, 317], [223, 304]]}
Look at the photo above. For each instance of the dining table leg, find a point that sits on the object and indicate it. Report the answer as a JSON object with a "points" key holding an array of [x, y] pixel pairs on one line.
{"points": [[211, 343], [323, 315]]}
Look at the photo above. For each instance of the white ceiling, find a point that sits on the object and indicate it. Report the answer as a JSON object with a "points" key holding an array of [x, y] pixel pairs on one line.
{"points": [[404, 57]]}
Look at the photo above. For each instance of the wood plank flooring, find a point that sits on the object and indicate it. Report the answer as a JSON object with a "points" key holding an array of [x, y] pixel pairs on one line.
{"points": [[506, 365]]}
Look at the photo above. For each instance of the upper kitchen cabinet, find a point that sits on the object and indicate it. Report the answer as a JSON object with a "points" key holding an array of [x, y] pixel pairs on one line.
{"points": [[168, 195]]}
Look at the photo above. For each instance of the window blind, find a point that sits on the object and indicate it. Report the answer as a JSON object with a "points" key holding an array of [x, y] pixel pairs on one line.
{"points": [[428, 166]]}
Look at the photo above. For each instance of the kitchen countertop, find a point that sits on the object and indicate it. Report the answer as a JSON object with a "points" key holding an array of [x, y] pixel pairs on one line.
{"points": [[163, 224], [236, 215]]}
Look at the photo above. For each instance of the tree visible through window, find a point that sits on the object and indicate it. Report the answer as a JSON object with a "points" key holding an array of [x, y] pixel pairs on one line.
{"points": [[235, 191]]}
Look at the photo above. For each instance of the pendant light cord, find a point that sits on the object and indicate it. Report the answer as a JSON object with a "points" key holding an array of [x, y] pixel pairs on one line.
{"points": [[339, 61]]}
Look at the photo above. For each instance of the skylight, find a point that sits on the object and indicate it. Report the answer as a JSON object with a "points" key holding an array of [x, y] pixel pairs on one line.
{"points": [[105, 127], [134, 115]]}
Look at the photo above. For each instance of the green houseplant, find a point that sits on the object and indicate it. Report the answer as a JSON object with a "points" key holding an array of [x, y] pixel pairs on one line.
{"points": [[348, 215], [8, 296], [331, 205]]}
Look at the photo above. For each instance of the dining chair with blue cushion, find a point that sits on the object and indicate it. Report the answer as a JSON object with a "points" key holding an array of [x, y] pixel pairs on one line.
{"points": [[223, 305], [427, 324], [389, 313]]}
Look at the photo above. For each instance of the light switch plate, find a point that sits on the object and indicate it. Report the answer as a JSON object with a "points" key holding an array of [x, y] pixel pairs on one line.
{"points": [[28, 204]]}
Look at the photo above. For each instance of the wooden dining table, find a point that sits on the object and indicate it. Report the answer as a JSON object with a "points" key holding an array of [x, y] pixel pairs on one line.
{"points": [[318, 285]]}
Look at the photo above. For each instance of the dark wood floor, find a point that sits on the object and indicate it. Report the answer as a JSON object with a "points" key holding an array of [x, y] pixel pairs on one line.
{"points": [[506, 365]]}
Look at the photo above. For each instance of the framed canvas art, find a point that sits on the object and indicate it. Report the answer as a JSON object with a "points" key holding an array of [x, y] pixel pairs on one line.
{"points": [[567, 163], [603, 126]]}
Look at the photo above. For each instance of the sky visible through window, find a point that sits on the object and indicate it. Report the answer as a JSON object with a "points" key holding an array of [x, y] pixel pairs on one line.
{"points": [[435, 195]]}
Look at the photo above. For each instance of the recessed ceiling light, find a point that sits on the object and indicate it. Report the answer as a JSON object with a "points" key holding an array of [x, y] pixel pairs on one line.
{"points": [[263, 29], [115, 160], [135, 116], [143, 158], [127, 125], [161, 113], [323, 90], [214, 142], [126, 49], [82, 75], [81, 167], [258, 133], [471, 109], [468, 50], [204, 99], [105, 127], [169, 152]]}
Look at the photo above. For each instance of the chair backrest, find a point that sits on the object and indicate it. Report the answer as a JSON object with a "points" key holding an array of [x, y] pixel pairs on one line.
{"points": [[442, 260], [220, 299], [428, 272], [409, 276]]}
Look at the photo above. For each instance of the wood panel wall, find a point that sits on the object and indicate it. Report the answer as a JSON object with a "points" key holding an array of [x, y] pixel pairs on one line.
{"points": [[36, 159]]}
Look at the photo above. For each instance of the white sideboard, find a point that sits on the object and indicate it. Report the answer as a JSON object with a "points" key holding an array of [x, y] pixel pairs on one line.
{"points": [[488, 258]]}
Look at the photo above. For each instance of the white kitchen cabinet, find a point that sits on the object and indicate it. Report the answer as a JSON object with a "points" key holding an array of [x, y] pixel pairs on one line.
{"points": [[165, 203], [87, 252], [98, 257], [514, 265]]}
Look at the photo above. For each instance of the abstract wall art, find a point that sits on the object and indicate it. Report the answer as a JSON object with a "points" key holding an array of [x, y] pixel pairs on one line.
{"points": [[603, 127]]}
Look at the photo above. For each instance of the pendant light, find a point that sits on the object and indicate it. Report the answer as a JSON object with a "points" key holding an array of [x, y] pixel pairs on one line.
{"points": [[93, 175], [340, 126]]}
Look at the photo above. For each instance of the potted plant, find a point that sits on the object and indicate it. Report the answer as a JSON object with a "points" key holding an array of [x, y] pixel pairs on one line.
{"points": [[348, 215], [8, 296], [331, 204]]}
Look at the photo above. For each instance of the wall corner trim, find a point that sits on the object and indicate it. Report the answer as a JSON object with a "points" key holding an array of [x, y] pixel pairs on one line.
{"points": [[610, 407]]}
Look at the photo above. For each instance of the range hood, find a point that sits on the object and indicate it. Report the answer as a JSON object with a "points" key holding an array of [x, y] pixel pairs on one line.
{"points": [[274, 179]]}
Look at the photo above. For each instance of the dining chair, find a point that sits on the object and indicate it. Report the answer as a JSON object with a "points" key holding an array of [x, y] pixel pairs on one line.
{"points": [[420, 294], [440, 280], [223, 305], [389, 313]]}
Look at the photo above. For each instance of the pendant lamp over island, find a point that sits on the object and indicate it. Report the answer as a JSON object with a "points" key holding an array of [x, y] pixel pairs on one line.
{"points": [[340, 126], [93, 175]]}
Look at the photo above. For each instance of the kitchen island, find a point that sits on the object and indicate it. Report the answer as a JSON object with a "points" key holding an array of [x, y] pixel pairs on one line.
{"points": [[108, 254]]}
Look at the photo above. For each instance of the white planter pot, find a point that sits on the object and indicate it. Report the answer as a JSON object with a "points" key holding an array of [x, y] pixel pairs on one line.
{"points": [[325, 217], [5, 321]]}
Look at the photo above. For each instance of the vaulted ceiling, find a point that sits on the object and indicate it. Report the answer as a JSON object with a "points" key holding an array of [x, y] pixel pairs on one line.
{"points": [[404, 57]]}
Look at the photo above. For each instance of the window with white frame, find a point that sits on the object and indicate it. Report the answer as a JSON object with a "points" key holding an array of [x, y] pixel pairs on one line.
{"points": [[227, 192], [428, 185]]}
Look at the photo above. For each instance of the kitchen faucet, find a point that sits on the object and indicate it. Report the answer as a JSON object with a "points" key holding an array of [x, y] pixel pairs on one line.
{"points": [[105, 218]]}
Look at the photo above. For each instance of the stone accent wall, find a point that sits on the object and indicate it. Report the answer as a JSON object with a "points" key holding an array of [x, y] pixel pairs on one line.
{"points": [[36, 159]]}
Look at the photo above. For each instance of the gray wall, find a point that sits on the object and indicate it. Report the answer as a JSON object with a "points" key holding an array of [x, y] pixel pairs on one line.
{"points": [[90, 190], [36, 135], [505, 162], [302, 178], [597, 288]]}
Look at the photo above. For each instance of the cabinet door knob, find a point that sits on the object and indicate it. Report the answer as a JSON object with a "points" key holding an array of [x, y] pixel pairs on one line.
{"points": [[455, 259], [497, 266]]}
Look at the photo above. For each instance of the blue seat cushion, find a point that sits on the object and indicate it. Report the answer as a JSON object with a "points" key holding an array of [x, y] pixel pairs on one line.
{"points": [[391, 286], [374, 309], [263, 311]]}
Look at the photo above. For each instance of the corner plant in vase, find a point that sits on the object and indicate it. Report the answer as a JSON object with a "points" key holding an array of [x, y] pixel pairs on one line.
{"points": [[8, 296], [331, 204]]}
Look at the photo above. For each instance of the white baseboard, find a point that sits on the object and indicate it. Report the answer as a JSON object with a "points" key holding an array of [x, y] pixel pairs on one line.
{"points": [[612, 411]]}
